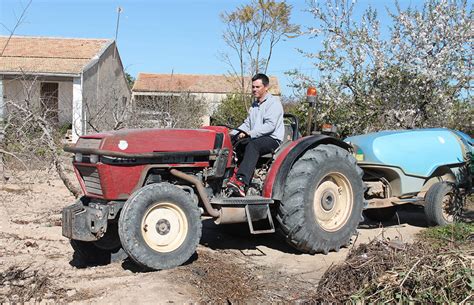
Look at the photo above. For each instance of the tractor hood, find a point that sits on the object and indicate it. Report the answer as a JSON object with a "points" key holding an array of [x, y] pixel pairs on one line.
{"points": [[151, 140], [417, 152]]}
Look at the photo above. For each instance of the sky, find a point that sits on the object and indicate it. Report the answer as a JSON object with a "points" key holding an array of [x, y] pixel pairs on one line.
{"points": [[166, 36]]}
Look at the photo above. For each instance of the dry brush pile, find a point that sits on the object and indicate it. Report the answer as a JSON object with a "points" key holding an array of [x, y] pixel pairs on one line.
{"points": [[433, 269], [24, 285], [221, 278]]}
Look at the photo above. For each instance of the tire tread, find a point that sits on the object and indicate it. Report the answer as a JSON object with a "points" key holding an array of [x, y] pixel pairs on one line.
{"points": [[291, 215]]}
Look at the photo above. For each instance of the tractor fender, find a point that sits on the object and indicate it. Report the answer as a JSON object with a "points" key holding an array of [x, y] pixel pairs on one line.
{"points": [[275, 182]]}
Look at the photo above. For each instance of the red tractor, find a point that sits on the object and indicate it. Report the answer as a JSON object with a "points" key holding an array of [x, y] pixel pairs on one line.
{"points": [[146, 191]]}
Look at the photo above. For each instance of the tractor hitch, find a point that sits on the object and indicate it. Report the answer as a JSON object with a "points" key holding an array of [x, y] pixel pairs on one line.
{"points": [[88, 222]]}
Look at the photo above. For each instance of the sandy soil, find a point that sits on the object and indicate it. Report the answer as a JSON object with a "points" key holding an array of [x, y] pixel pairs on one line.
{"points": [[36, 260]]}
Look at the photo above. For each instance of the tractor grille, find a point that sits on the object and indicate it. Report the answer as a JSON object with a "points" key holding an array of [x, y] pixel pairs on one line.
{"points": [[88, 143], [91, 178]]}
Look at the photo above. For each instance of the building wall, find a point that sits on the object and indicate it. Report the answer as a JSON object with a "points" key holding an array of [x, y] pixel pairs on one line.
{"points": [[2, 105], [65, 102], [20, 90], [212, 99], [105, 91]]}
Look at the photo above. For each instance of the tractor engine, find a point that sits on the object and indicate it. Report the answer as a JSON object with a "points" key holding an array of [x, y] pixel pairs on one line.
{"points": [[111, 166]]}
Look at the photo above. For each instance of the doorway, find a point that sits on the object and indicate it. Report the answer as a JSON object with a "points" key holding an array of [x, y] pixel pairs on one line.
{"points": [[49, 101]]}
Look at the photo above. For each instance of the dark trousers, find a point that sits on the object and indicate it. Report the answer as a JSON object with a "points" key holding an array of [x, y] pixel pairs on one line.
{"points": [[254, 148]]}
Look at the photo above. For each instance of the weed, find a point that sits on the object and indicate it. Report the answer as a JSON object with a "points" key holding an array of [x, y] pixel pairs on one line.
{"points": [[456, 233]]}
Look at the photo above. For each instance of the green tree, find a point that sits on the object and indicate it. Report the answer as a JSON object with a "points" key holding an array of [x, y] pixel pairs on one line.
{"points": [[230, 112], [130, 80]]}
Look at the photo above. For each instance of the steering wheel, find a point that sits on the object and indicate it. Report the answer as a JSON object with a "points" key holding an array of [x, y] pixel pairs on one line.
{"points": [[235, 137]]}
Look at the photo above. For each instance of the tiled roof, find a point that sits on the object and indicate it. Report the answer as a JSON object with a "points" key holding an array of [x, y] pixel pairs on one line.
{"points": [[48, 55], [193, 83]]}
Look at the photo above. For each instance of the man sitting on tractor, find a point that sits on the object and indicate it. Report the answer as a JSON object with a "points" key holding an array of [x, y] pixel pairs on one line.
{"points": [[264, 129]]}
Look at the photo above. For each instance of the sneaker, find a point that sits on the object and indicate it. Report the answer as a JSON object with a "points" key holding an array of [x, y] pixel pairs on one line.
{"points": [[237, 186]]}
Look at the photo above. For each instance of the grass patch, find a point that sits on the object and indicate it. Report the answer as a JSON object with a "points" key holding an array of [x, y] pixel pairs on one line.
{"points": [[457, 233]]}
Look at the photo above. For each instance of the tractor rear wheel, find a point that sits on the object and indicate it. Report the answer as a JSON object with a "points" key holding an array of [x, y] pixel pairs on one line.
{"points": [[322, 201], [160, 226], [439, 204]]}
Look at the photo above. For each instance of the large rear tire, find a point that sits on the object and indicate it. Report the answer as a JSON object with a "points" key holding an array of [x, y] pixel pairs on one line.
{"points": [[439, 204], [322, 201], [160, 226]]}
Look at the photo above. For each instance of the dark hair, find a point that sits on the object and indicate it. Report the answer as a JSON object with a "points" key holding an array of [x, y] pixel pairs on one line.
{"points": [[263, 77]]}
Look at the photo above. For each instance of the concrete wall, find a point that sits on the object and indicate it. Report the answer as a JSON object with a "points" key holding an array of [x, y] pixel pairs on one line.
{"points": [[78, 124], [65, 102], [20, 90], [213, 100], [105, 91]]}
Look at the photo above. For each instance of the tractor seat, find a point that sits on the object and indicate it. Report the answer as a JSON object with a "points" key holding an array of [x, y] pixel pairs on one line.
{"points": [[273, 153], [291, 134]]}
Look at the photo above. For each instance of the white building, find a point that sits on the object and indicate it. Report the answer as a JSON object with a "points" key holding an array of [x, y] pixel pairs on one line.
{"points": [[72, 79]]}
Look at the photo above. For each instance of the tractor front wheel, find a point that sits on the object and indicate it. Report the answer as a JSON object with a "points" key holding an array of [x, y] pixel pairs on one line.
{"points": [[102, 252], [160, 226], [322, 201]]}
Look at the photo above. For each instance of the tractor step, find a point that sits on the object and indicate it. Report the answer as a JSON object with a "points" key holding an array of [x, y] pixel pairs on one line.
{"points": [[256, 212], [248, 200]]}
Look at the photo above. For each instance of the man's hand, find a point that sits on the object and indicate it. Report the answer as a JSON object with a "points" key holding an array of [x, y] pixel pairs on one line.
{"points": [[242, 135], [239, 135]]}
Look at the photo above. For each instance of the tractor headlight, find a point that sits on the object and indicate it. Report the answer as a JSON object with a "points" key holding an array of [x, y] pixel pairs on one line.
{"points": [[78, 157], [94, 158]]}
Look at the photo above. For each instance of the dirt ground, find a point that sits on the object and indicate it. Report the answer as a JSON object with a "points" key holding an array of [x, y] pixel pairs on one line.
{"points": [[230, 265]]}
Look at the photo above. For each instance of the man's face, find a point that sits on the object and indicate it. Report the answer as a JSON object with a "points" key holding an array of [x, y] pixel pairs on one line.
{"points": [[258, 89]]}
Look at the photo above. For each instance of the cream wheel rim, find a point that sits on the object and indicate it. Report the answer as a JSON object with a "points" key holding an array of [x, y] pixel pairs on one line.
{"points": [[333, 202], [164, 227]]}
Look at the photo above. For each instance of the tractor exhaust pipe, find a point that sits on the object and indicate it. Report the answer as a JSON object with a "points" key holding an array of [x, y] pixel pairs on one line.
{"points": [[231, 215], [311, 95], [200, 188]]}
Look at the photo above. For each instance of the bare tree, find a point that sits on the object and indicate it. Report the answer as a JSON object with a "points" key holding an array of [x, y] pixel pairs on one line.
{"points": [[12, 31], [111, 112], [31, 135], [252, 32], [181, 110]]}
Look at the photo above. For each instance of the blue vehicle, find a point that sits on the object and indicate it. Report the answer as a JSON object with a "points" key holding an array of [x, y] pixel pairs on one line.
{"points": [[420, 166]]}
